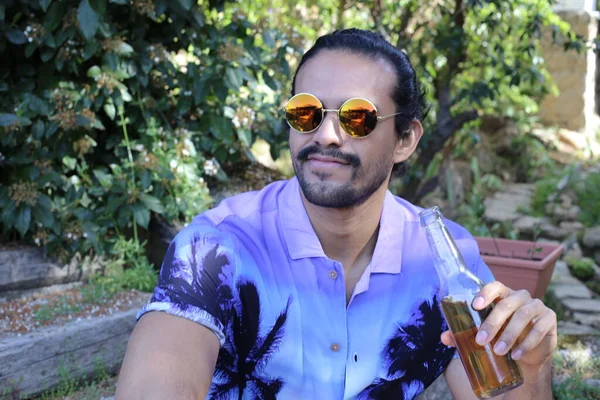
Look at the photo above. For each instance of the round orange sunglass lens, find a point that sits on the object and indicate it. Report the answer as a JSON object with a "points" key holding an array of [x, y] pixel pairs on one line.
{"points": [[304, 112], [358, 117]]}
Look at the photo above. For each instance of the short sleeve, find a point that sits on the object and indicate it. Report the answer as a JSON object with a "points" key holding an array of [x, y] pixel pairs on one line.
{"points": [[196, 277]]}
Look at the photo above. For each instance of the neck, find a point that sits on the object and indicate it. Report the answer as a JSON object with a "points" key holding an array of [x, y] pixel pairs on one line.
{"points": [[348, 235]]}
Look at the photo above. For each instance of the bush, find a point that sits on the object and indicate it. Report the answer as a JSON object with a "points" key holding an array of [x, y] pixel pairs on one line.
{"points": [[543, 189], [588, 195], [581, 268], [116, 109]]}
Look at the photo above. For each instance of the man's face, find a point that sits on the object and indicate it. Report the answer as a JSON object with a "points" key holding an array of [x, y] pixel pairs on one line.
{"points": [[334, 169]]}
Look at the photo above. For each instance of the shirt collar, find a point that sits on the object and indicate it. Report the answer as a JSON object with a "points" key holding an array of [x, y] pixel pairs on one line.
{"points": [[302, 241]]}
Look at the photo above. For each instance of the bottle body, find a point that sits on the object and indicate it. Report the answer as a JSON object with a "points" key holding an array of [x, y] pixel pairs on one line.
{"points": [[490, 375]]}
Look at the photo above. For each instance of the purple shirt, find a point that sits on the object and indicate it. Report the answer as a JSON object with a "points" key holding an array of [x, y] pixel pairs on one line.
{"points": [[253, 271]]}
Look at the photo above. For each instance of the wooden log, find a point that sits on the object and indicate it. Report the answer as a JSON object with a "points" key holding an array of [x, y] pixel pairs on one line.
{"points": [[32, 364], [28, 268]]}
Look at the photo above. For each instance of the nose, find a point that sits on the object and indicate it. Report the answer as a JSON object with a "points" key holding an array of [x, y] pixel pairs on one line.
{"points": [[329, 133]]}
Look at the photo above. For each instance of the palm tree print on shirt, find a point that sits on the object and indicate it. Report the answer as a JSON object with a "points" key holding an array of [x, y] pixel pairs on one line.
{"points": [[414, 356], [245, 354]]}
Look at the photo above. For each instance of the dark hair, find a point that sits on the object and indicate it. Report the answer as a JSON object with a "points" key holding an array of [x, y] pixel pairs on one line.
{"points": [[408, 95]]}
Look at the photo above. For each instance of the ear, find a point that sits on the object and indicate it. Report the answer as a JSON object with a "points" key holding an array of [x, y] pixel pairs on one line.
{"points": [[407, 146]]}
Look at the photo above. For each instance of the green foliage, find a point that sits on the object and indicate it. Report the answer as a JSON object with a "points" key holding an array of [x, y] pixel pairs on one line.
{"points": [[115, 110], [588, 195], [128, 269], [593, 285], [471, 214], [581, 268], [575, 373], [552, 302], [543, 189], [533, 160], [49, 312]]}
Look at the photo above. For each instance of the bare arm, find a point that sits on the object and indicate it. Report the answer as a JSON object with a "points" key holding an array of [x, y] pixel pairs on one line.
{"points": [[168, 357]]}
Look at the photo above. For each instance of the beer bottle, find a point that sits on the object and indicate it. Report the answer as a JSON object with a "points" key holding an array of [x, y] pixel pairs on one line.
{"points": [[490, 375]]}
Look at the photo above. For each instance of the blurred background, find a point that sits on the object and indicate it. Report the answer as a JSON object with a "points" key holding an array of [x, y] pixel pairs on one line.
{"points": [[122, 120]]}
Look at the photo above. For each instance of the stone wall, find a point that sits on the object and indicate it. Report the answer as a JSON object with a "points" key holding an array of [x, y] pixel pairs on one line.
{"points": [[575, 76]]}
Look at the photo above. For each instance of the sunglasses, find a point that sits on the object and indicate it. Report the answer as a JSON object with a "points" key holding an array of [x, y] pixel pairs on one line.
{"points": [[358, 117]]}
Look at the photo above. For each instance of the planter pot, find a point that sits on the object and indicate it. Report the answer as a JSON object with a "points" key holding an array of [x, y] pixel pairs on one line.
{"points": [[520, 264]]}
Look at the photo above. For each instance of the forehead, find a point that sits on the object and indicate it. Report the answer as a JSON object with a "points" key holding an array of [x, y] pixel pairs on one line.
{"points": [[336, 76]]}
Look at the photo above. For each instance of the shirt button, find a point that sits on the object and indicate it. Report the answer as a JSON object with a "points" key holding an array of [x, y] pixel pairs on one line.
{"points": [[333, 274], [335, 347]]}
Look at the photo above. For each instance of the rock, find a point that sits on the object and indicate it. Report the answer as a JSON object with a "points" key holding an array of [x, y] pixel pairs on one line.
{"points": [[562, 275], [597, 256], [548, 241], [566, 201], [583, 305], [553, 231], [587, 319], [455, 180], [591, 237], [529, 225], [571, 227], [438, 390], [572, 291], [573, 329], [559, 212], [504, 206], [574, 252], [573, 213]]}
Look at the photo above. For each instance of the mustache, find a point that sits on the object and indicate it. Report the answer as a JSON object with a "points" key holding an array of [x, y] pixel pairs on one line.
{"points": [[351, 159]]}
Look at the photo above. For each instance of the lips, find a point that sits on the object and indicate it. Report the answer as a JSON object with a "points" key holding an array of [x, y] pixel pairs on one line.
{"points": [[326, 159]]}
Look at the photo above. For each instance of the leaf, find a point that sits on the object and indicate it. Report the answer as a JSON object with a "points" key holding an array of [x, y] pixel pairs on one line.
{"points": [[51, 129], [99, 6], [23, 219], [54, 16], [38, 105], [268, 38], [94, 71], [30, 49], [88, 19], [80, 120], [233, 79], [69, 162], [124, 49], [141, 215], [8, 119], [200, 90], [44, 216], [110, 110], [15, 36], [269, 81], [245, 136], [37, 130], [45, 4], [186, 4], [104, 178], [47, 55], [152, 203]]}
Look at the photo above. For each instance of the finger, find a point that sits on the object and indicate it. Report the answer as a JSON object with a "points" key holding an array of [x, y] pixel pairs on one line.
{"points": [[489, 293], [538, 332], [518, 324], [448, 339], [501, 313]]}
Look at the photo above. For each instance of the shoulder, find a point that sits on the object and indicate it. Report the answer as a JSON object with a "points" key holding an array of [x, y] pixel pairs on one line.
{"points": [[244, 205], [464, 240]]}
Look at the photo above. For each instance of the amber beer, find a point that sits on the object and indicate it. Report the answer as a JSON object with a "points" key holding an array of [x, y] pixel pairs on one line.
{"points": [[490, 375]]}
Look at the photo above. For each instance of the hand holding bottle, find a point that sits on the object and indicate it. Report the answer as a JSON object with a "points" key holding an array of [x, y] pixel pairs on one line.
{"points": [[530, 328]]}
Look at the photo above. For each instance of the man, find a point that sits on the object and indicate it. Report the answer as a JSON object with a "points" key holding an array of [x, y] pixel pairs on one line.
{"points": [[322, 287]]}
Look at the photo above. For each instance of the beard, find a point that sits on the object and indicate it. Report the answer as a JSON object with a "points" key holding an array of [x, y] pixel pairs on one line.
{"points": [[365, 180]]}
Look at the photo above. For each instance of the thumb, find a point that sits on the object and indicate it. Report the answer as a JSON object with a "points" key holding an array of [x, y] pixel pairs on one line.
{"points": [[448, 339]]}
